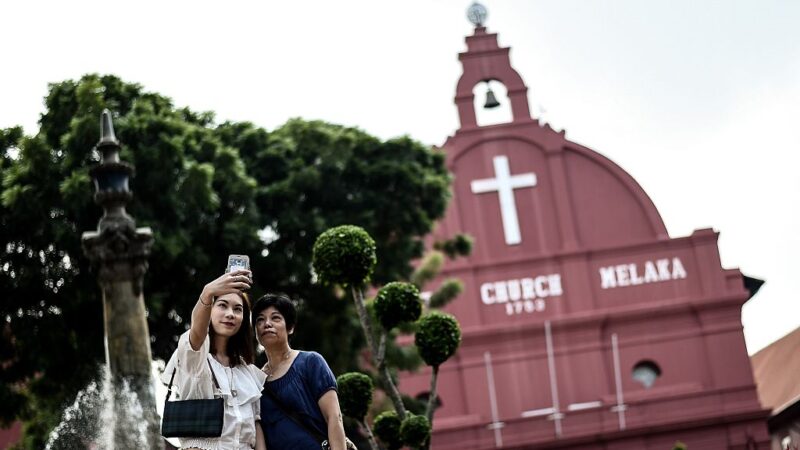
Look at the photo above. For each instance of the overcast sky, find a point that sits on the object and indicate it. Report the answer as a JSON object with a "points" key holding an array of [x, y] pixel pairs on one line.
{"points": [[697, 100]]}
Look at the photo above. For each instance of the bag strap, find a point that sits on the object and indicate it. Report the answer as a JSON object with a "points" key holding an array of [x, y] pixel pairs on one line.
{"points": [[293, 415], [213, 377], [169, 388]]}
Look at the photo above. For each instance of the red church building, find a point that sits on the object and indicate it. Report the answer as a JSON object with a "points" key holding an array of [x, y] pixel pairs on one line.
{"points": [[584, 324]]}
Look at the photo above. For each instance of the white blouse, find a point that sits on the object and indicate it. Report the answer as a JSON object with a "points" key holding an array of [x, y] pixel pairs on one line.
{"points": [[240, 386]]}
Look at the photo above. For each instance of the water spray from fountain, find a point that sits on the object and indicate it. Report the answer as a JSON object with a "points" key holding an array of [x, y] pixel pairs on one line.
{"points": [[104, 416]]}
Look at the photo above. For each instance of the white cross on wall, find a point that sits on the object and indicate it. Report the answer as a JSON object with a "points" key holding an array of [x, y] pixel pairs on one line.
{"points": [[504, 184]]}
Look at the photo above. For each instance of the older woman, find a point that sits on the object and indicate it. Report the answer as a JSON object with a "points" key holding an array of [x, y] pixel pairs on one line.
{"points": [[301, 381]]}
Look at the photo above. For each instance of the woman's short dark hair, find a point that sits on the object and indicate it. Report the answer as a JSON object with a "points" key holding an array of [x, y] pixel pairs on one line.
{"points": [[282, 303], [241, 345]]}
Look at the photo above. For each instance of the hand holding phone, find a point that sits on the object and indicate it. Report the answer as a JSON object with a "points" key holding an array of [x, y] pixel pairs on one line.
{"points": [[226, 283]]}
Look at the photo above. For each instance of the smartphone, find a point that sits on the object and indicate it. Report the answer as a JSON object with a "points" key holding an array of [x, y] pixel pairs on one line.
{"points": [[238, 262]]}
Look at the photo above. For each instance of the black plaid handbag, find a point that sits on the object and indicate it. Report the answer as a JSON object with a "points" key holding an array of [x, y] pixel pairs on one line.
{"points": [[193, 418]]}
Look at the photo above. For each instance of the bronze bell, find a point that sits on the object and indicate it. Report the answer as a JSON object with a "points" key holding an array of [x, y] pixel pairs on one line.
{"points": [[491, 100]]}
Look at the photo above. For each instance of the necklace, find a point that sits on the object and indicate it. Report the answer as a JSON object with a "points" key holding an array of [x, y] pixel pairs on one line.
{"points": [[269, 370], [229, 374]]}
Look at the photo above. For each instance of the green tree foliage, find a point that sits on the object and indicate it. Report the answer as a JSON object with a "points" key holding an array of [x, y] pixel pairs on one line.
{"points": [[387, 428], [344, 255], [438, 337], [428, 269], [339, 252], [355, 394], [415, 431], [397, 302], [447, 292], [395, 189], [206, 190], [458, 245]]}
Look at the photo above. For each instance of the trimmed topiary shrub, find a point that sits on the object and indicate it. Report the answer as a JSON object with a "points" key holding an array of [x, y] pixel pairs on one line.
{"points": [[396, 303], [387, 427], [428, 269], [449, 290], [344, 255], [414, 405], [415, 430], [355, 394], [438, 337], [459, 245]]}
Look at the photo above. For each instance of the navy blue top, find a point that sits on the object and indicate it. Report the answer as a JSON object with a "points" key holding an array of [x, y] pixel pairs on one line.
{"points": [[307, 379]]}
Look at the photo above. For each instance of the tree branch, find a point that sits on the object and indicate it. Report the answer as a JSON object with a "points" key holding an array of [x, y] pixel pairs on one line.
{"points": [[383, 371], [432, 395], [372, 443], [363, 316], [381, 358], [394, 394]]}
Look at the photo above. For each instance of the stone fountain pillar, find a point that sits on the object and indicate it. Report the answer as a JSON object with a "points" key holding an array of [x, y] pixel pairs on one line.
{"points": [[119, 251]]}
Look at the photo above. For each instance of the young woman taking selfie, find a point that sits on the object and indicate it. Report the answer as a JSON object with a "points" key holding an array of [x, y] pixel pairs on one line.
{"points": [[215, 358]]}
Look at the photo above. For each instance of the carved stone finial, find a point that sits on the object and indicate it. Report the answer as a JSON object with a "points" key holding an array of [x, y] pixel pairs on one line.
{"points": [[111, 185], [108, 145], [107, 136]]}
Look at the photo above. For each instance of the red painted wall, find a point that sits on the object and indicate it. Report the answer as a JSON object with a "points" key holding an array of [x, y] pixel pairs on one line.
{"points": [[10, 435], [593, 260]]}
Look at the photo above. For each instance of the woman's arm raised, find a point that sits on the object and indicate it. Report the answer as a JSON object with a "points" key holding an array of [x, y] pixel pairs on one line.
{"points": [[228, 283]]}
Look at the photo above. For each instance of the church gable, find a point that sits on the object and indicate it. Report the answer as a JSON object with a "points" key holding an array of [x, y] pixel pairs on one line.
{"points": [[515, 198]]}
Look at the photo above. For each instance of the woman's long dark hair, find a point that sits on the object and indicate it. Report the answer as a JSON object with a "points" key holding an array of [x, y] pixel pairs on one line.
{"points": [[241, 347]]}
